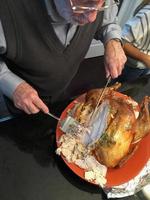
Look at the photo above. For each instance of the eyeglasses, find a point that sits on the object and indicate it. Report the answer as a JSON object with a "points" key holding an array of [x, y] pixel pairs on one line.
{"points": [[81, 9]]}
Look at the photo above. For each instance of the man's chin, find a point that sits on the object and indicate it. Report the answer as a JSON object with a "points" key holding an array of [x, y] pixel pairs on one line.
{"points": [[85, 20]]}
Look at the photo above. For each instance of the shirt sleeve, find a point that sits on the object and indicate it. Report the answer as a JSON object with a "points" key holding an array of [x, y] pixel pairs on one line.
{"points": [[131, 30], [8, 80], [2, 40], [110, 28], [136, 30]]}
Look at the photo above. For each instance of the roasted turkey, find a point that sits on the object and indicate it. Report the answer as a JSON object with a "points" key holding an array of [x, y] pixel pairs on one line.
{"points": [[123, 128]]}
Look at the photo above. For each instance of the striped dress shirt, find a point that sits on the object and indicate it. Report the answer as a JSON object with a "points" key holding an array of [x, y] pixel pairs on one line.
{"points": [[137, 32]]}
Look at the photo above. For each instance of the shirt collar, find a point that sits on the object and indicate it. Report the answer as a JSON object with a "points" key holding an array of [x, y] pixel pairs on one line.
{"points": [[52, 12]]}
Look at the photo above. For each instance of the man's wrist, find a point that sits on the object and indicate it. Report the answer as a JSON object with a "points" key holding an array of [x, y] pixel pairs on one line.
{"points": [[118, 40], [114, 40]]}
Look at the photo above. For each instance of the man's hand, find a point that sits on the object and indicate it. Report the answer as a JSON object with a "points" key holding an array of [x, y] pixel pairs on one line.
{"points": [[114, 58], [26, 98]]}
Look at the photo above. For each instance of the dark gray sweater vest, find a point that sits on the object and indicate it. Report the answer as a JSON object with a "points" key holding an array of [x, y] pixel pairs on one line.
{"points": [[33, 50]]}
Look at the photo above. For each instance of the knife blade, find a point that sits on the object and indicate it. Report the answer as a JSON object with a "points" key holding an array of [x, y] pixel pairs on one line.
{"points": [[99, 99]]}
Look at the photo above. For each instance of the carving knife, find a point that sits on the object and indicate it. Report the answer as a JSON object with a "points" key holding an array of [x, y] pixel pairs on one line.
{"points": [[99, 99]]}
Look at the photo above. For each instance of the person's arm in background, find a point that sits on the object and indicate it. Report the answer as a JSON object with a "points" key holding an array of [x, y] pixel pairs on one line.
{"points": [[110, 35], [136, 38], [135, 53], [21, 93]]}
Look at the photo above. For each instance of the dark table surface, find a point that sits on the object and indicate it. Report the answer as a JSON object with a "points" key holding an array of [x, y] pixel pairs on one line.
{"points": [[29, 167]]}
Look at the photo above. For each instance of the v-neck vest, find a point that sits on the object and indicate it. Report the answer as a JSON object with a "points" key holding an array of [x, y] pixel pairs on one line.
{"points": [[33, 50]]}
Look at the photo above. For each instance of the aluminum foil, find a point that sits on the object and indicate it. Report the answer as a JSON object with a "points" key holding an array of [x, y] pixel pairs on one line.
{"points": [[133, 186]]}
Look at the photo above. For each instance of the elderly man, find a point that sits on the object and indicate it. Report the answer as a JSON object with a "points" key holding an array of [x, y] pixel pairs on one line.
{"points": [[42, 43]]}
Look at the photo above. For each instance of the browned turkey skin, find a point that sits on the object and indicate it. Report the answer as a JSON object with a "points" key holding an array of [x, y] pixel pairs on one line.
{"points": [[123, 129]]}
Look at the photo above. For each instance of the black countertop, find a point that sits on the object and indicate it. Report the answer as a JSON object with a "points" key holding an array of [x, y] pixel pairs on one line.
{"points": [[29, 167]]}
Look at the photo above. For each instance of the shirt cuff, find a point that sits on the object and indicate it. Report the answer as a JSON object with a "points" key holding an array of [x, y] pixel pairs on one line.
{"points": [[9, 82], [112, 35]]}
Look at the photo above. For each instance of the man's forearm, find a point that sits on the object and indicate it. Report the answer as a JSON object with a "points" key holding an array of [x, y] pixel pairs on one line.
{"points": [[8, 80]]}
